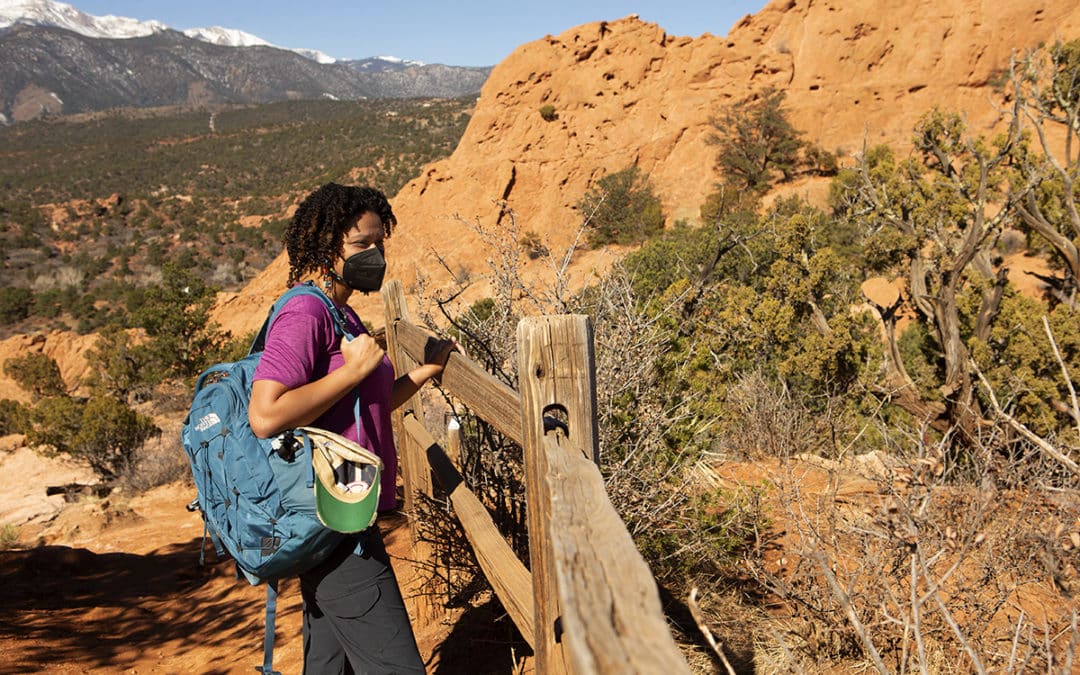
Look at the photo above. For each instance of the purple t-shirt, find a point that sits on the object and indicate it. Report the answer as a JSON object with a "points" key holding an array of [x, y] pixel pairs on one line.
{"points": [[302, 347]]}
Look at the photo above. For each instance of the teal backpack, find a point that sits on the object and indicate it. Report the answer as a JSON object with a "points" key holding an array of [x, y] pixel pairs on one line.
{"points": [[255, 494]]}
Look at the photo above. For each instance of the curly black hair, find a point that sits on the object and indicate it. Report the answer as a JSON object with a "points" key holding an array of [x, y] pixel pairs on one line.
{"points": [[317, 231]]}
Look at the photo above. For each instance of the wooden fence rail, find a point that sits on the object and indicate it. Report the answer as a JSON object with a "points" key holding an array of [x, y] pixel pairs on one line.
{"points": [[498, 561], [589, 603]]}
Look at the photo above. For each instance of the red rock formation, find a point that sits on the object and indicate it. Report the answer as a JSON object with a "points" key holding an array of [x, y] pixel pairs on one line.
{"points": [[625, 92], [66, 348]]}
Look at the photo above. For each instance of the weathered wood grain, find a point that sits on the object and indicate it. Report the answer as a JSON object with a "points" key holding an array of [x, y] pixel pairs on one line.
{"points": [[611, 614], [487, 397], [415, 472], [555, 371]]}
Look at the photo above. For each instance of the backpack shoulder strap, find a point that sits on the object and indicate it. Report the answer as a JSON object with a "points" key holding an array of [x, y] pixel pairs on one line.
{"points": [[306, 288]]}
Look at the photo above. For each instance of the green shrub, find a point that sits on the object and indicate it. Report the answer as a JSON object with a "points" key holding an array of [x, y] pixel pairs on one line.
{"points": [[14, 417], [15, 304], [110, 434], [678, 254], [622, 209], [36, 373], [547, 111], [102, 431], [54, 421], [48, 304]]}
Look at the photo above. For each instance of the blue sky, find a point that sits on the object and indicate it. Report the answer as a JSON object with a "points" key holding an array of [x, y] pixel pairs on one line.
{"points": [[462, 33]]}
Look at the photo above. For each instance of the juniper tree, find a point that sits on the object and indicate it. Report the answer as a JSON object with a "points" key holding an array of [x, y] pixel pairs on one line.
{"points": [[756, 142], [934, 219], [622, 208], [1046, 84]]}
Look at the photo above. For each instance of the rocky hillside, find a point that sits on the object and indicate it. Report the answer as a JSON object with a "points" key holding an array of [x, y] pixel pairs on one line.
{"points": [[625, 92]]}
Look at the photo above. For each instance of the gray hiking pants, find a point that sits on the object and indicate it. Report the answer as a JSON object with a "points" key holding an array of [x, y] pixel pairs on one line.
{"points": [[354, 617]]}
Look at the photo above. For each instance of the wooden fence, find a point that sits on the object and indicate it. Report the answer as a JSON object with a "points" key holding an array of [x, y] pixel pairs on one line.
{"points": [[590, 603]]}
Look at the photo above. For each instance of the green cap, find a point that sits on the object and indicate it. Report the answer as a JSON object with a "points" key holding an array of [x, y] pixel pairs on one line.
{"points": [[347, 481]]}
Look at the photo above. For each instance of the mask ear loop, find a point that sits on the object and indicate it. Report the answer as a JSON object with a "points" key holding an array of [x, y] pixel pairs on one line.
{"points": [[327, 278], [330, 276]]}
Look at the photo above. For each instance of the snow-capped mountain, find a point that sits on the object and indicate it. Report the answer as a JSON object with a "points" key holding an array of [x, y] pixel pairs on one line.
{"points": [[55, 59], [62, 15], [231, 37], [377, 63], [228, 37]]}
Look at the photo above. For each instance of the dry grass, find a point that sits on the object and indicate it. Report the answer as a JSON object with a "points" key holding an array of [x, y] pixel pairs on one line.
{"points": [[9, 536], [160, 460], [929, 567]]}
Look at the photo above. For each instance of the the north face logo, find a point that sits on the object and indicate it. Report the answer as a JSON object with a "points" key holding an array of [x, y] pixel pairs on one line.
{"points": [[207, 421]]}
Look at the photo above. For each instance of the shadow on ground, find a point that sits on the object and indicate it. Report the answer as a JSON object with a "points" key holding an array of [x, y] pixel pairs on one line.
{"points": [[63, 606], [483, 641]]}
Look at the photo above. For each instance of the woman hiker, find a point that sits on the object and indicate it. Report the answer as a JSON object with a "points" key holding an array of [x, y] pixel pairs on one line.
{"points": [[354, 617]]}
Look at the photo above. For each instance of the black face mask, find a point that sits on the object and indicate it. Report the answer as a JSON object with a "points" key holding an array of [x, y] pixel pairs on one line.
{"points": [[363, 271]]}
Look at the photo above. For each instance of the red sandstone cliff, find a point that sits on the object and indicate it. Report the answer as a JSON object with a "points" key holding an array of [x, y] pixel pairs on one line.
{"points": [[625, 92]]}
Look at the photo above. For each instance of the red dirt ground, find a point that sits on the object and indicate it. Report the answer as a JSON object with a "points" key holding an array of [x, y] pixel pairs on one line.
{"points": [[117, 587]]}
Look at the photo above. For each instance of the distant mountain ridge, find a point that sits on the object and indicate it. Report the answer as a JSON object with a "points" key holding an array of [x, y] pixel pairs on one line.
{"points": [[62, 15], [55, 59], [52, 14]]}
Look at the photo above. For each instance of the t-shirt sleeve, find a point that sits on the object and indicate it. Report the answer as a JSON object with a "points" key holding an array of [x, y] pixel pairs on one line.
{"points": [[300, 333]]}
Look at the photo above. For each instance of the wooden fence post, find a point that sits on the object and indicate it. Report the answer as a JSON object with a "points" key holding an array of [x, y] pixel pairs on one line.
{"points": [[416, 474], [556, 374]]}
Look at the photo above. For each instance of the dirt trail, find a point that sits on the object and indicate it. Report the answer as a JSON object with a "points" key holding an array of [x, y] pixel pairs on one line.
{"points": [[119, 588], [116, 586]]}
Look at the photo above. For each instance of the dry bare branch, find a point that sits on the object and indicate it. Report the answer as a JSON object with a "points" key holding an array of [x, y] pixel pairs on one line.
{"points": [[1039, 442], [717, 648], [849, 610], [1065, 374]]}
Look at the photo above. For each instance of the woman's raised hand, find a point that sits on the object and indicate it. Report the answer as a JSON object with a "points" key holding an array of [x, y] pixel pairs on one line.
{"points": [[437, 353], [362, 355]]}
